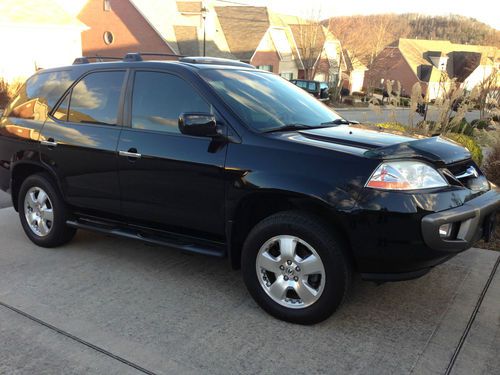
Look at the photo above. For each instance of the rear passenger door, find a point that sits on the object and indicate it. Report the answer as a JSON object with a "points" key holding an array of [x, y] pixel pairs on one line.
{"points": [[78, 141], [176, 181]]}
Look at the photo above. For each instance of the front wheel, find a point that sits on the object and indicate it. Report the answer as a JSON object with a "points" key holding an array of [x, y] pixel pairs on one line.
{"points": [[42, 212], [294, 268]]}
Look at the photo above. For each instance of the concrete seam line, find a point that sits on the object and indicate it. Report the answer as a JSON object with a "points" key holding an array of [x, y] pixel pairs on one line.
{"points": [[77, 339], [441, 319], [472, 318]]}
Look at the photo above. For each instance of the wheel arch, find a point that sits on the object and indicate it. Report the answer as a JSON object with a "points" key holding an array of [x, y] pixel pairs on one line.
{"points": [[255, 207], [21, 171]]}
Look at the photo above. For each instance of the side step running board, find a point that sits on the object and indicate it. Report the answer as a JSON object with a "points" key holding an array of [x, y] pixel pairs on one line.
{"points": [[180, 242]]}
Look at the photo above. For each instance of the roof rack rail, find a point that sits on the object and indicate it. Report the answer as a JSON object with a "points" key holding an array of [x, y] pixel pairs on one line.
{"points": [[86, 59], [215, 61], [137, 56]]}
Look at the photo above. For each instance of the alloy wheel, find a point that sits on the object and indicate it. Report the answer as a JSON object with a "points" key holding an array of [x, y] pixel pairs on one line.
{"points": [[38, 210], [290, 271]]}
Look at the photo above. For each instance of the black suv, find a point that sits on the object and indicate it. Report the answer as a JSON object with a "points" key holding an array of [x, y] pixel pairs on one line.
{"points": [[215, 157], [317, 89]]}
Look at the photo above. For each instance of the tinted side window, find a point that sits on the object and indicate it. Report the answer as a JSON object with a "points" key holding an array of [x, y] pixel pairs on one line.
{"points": [[159, 98], [95, 99], [38, 95], [312, 86], [301, 84]]}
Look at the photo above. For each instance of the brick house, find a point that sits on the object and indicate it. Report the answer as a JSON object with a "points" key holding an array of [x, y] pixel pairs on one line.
{"points": [[432, 63], [118, 27], [261, 38], [251, 34]]}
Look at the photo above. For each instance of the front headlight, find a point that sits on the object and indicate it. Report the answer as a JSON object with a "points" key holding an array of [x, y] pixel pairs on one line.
{"points": [[405, 175]]}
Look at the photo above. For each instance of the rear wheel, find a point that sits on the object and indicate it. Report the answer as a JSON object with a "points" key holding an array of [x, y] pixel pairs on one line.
{"points": [[294, 268], [43, 212]]}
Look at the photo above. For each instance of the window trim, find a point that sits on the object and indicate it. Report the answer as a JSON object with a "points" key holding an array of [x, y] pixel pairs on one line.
{"points": [[127, 107], [119, 115]]}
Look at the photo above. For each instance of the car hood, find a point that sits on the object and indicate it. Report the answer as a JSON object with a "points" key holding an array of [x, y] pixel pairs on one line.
{"points": [[384, 145]]}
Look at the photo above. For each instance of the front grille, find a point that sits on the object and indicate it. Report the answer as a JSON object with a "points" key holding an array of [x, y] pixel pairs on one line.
{"points": [[468, 174]]}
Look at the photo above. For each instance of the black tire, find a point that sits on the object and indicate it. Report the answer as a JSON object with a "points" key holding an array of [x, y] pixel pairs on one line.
{"points": [[59, 233], [328, 246]]}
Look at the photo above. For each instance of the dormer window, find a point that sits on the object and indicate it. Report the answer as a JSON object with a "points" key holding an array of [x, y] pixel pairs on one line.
{"points": [[107, 5]]}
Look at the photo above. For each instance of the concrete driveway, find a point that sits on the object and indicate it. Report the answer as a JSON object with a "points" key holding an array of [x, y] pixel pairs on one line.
{"points": [[102, 305], [5, 200]]}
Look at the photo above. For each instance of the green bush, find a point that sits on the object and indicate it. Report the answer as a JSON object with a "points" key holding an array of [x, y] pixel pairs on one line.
{"points": [[469, 143], [405, 102]]}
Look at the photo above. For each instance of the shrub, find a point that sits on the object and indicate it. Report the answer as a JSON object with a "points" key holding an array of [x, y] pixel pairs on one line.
{"points": [[491, 166], [405, 102], [4, 93], [393, 126], [463, 127], [358, 94], [469, 143], [7, 91], [480, 124]]}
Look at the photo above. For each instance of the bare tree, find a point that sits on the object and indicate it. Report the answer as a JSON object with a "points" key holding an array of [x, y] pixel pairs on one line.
{"points": [[310, 40]]}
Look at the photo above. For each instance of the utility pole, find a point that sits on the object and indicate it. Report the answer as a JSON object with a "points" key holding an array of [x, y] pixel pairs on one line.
{"points": [[204, 12]]}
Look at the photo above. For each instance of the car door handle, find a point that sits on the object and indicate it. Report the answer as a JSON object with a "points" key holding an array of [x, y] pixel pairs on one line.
{"points": [[49, 142], [130, 154]]}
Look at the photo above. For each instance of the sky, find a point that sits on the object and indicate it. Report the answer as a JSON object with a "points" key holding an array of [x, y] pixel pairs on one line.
{"points": [[482, 10]]}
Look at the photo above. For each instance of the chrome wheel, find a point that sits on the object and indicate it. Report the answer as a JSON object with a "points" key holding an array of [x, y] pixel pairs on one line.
{"points": [[290, 271], [38, 211]]}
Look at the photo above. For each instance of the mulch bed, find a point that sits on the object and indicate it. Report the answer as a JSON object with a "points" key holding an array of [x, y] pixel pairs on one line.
{"points": [[494, 243]]}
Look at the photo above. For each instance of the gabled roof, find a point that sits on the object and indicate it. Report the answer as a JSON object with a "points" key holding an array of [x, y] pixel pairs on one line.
{"points": [[244, 28], [36, 12], [305, 34], [189, 6], [352, 62], [418, 53], [158, 13]]}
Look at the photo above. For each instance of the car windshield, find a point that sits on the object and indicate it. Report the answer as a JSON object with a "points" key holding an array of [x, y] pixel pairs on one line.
{"points": [[267, 102]]}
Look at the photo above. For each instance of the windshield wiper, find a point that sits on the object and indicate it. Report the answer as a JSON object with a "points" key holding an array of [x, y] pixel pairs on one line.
{"points": [[290, 127], [339, 121]]}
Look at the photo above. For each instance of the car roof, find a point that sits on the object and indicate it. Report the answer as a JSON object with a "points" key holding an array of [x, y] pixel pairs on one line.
{"points": [[135, 60]]}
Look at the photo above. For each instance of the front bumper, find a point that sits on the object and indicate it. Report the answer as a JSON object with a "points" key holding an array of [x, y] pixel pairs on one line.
{"points": [[471, 222], [395, 236]]}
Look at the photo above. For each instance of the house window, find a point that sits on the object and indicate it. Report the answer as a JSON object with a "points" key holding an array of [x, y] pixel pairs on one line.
{"points": [[108, 37], [107, 5], [267, 68], [287, 76]]}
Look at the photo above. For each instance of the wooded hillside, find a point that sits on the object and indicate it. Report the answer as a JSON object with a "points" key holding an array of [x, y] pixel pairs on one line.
{"points": [[366, 36]]}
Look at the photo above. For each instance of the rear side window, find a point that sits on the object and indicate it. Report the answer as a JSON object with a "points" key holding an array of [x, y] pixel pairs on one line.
{"points": [[39, 94], [94, 99], [311, 86], [159, 98], [301, 84]]}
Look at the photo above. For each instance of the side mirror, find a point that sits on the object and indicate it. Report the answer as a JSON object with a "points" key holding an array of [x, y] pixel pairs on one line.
{"points": [[198, 124]]}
